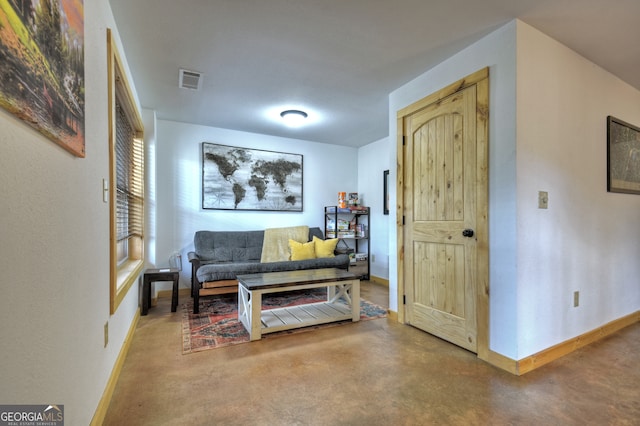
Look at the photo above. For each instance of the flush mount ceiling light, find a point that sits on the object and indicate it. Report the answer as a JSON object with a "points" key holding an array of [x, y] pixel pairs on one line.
{"points": [[293, 117]]}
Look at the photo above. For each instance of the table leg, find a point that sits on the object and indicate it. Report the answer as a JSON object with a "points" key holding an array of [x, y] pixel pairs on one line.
{"points": [[331, 292], [355, 300], [174, 295], [256, 312], [338, 291], [244, 307], [146, 295]]}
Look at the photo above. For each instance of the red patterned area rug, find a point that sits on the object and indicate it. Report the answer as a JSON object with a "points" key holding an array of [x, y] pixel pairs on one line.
{"points": [[217, 323]]}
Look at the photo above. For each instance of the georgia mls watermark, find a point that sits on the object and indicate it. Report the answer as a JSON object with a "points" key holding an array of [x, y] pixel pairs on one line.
{"points": [[32, 415]]}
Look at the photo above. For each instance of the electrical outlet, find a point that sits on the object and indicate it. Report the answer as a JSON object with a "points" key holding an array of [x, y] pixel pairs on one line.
{"points": [[373, 258], [106, 333], [576, 299], [543, 200]]}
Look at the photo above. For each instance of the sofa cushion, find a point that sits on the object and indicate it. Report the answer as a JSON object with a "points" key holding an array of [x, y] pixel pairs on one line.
{"points": [[315, 232], [228, 246], [226, 271], [325, 248], [229, 271], [302, 251]]}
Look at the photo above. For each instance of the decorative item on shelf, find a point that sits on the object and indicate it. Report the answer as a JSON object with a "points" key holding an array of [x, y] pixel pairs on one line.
{"points": [[353, 199], [342, 200], [361, 256], [343, 248]]}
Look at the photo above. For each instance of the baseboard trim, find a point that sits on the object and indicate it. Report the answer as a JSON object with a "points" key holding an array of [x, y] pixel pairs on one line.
{"points": [[541, 358], [379, 280], [500, 361], [392, 315], [103, 405]]}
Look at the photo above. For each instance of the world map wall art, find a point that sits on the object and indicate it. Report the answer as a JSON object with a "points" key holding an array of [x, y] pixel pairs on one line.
{"points": [[235, 178], [42, 67]]}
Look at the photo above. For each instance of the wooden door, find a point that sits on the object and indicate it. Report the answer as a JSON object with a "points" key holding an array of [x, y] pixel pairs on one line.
{"points": [[444, 212]]}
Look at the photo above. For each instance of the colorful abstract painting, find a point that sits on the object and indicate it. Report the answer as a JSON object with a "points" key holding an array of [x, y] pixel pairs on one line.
{"points": [[42, 67]]}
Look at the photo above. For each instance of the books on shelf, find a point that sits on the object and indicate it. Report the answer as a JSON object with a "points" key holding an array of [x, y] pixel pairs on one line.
{"points": [[343, 225], [361, 256], [350, 209], [345, 234], [341, 234], [357, 257]]}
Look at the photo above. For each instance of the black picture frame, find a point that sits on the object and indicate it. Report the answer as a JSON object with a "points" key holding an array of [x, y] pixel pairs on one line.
{"points": [[623, 156], [236, 178], [385, 192]]}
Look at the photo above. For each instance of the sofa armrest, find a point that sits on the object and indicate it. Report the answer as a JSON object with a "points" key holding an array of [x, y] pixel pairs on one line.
{"points": [[194, 259]]}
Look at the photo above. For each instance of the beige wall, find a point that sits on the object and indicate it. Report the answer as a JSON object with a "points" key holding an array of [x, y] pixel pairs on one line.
{"points": [[588, 239], [547, 132], [498, 52], [55, 254]]}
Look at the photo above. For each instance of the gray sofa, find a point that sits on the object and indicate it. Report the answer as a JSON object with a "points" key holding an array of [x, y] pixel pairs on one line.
{"points": [[219, 256]]}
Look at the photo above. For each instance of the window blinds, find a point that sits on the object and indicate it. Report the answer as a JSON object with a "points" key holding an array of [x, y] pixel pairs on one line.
{"points": [[129, 178]]}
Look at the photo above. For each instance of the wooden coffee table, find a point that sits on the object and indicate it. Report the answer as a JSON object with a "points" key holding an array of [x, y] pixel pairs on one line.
{"points": [[343, 300]]}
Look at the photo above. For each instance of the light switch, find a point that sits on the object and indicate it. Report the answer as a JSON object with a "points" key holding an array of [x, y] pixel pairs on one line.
{"points": [[543, 200], [105, 191]]}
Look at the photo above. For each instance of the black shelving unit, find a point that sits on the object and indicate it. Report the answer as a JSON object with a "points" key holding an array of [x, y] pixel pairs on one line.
{"points": [[351, 225]]}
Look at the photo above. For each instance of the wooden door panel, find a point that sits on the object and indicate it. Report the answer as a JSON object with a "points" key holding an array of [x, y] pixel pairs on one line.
{"points": [[436, 266], [438, 169], [439, 204]]}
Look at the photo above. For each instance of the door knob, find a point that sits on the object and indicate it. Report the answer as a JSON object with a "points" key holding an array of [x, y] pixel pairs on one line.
{"points": [[467, 233]]}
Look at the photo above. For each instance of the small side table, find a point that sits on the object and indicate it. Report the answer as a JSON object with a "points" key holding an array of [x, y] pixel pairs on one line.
{"points": [[164, 274]]}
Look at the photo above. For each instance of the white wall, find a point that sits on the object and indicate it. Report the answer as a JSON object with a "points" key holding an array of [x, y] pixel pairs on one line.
{"points": [[588, 239], [372, 163], [55, 254], [496, 51], [327, 170]]}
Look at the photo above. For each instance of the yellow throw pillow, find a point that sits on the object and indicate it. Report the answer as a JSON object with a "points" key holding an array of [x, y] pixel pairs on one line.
{"points": [[302, 251], [325, 248]]}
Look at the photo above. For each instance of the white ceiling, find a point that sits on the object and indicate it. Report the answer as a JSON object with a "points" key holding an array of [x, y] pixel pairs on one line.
{"points": [[336, 59]]}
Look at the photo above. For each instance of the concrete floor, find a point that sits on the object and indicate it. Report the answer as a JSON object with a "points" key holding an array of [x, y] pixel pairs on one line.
{"points": [[376, 372]]}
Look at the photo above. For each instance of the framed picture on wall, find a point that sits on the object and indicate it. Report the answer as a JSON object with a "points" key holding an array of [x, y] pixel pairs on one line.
{"points": [[42, 68], [235, 178], [623, 156]]}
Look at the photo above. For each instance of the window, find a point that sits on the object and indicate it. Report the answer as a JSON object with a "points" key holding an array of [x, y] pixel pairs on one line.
{"points": [[126, 158]]}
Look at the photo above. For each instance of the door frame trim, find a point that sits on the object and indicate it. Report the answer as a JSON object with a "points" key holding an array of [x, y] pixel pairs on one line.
{"points": [[481, 80]]}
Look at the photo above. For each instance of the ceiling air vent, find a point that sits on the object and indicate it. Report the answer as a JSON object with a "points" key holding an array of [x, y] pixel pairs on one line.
{"points": [[190, 80]]}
